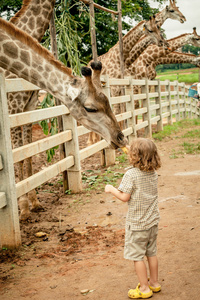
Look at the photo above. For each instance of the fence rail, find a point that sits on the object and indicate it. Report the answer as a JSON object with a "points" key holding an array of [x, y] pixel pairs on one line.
{"points": [[161, 102]]}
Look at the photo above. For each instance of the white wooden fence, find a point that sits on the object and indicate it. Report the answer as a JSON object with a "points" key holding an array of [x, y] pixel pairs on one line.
{"points": [[167, 101]]}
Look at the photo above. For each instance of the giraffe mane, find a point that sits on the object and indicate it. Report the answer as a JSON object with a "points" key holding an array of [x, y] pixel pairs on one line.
{"points": [[180, 53], [20, 13], [174, 38], [32, 43], [134, 28]]}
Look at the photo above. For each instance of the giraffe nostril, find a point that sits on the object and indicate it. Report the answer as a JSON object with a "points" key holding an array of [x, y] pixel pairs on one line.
{"points": [[120, 137]]}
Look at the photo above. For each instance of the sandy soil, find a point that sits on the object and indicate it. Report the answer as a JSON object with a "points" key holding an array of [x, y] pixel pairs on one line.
{"points": [[82, 246]]}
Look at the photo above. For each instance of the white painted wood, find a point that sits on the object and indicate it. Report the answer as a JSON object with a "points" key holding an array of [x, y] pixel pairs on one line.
{"points": [[34, 148], [3, 201], [155, 119], [166, 114], [37, 115], [154, 107], [9, 218], [123, 116], [139, 96], [140, 111], [153, 95], [90, 150], [118, 81], [147, 115], [1, 163], [43, 176], [165, 104], [120, 99], [19, 85], [72, 148], [82, 130], [141, 125]]}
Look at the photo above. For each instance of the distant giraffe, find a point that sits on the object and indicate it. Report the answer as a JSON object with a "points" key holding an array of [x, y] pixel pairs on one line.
{"points": [[152, 53], [172, 58], [111, 59], [25, 57]]}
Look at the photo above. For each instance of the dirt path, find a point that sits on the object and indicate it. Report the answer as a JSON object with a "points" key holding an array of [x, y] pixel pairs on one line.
{"points": [[83, 248]]}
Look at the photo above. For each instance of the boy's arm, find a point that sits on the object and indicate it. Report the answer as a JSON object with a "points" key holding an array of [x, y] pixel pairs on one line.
{"points": [[115, 192]]}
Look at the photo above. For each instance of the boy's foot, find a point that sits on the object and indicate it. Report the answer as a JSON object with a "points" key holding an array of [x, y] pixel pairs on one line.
{"points": [[154, 287], [137, 294]]}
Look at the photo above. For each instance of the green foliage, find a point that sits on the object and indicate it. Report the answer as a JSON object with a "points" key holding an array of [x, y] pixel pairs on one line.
{"points": [[97, 180], [9, 7], [177, 127], [48, 101], [191, 148]]}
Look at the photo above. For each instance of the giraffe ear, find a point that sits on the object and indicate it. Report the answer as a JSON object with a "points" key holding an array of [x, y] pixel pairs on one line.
{"points": [[73, 92]]}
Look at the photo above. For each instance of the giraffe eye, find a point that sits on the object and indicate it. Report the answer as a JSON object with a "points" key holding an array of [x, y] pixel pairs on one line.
{"points": [[88, 109]]}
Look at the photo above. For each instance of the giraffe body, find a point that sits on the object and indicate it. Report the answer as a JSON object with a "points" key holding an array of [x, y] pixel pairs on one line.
{"points": [[33, 18], [111, 59], [139, 68]]}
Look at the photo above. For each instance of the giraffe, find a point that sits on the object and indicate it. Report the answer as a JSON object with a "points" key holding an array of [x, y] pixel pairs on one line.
{"points": [[139, 68], [33, 18], [111, 60], [25, 57], [172, 58]]}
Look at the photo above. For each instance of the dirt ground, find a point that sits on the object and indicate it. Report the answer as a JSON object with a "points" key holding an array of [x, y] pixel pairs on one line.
{"points": [[83, 237]]}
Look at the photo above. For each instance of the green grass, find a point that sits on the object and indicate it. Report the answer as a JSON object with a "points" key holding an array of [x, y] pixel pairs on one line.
{"points": [[176, 127], [191, 148], [179, 75]]}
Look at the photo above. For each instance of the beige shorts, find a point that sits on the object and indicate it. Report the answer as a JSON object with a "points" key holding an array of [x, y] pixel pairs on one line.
{"points": [[140, 243]]}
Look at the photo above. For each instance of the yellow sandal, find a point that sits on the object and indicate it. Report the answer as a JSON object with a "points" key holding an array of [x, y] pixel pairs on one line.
{"points": [[155, 289], [137, 294]]}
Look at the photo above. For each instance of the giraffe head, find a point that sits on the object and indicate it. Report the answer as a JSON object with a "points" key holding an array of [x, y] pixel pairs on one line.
{"points": [[91, 107], [197, 61], [25, 57], [195, 38], [151, 28], [173, 12]]}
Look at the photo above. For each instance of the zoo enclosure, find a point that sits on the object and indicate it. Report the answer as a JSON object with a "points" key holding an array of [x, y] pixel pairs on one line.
{"points": [[167, 101]]}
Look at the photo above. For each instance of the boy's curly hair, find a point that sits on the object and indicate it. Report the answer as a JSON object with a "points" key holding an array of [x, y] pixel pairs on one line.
{"points": [[143, 155]]}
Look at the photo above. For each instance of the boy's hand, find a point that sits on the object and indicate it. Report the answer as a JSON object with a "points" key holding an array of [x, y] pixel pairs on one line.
{"points": [[108, 188]]}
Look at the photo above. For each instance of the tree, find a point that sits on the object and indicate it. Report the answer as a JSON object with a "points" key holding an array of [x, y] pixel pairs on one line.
{"points": [[72, 26]]}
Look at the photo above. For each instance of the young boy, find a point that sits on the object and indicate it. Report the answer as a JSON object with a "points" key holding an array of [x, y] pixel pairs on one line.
{"points": [[139, 188]]}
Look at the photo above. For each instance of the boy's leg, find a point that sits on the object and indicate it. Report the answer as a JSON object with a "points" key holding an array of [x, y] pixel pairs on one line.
{"points": [[153, 268], [141, 271]]}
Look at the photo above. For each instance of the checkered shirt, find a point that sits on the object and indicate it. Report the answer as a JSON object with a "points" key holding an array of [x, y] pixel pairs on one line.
{"points": [[143, 212]]}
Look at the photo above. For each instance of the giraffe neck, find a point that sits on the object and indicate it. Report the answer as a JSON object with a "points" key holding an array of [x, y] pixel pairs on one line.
{"points": [[180, 41], [172, 58], [34, 17], [26, 58], [176, 58], [137, 50]]}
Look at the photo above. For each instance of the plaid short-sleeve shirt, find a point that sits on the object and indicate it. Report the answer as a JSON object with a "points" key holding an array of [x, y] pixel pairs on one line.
{"points": [[143, 212]]}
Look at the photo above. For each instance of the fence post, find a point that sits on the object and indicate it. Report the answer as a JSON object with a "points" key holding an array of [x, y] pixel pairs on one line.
{"points": [[159, 110], [178, 101], [9, 219], [130, 106], [108, 154], [72, 148], [147, 115], [168, 88], [184, 99]]}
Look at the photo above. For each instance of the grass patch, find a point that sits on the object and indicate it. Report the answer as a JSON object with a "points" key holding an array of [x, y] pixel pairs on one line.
{"points": [[177, 127], [191, 148]]}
